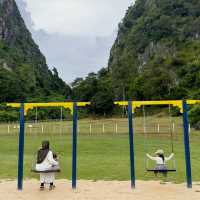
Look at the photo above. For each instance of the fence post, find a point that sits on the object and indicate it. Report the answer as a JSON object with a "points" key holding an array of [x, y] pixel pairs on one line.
{"points": [[90, 129], [42, 128], [8, 128], [21, 149], [173, 127], [74, 145], [131, 143], [187, 144], [158, 128], [189, 129], [116, 128]]}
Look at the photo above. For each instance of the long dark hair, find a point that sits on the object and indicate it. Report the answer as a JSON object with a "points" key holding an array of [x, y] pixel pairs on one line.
{"points": [[162, 156], [42, 153]]}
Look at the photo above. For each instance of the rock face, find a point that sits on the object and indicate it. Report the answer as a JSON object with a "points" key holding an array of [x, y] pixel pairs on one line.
{"points": [[158, 38], [14, 33], [23, 69], [7, 10]]}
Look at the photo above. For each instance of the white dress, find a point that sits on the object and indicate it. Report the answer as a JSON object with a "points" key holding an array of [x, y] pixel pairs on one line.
{"points": [[160, 163], [159, 160], [48, 164]]}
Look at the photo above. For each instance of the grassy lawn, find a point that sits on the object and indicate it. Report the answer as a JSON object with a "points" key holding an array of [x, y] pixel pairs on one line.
{"points": [[100, 156]]}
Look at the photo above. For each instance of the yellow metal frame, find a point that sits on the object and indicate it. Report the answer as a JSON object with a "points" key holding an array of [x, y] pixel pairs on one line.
{"points": [[30, 106], [135, 104], [175, 103]]}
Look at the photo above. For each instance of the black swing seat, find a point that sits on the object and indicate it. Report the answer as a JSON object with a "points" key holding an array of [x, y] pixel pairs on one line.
{"points": [[55, 170], [161, 171]]}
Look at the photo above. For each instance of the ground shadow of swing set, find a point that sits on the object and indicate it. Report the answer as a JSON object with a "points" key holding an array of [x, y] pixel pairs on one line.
{"points": [[132, 105]]}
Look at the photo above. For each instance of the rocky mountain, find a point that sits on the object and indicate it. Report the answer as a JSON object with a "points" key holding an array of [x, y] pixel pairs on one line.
{"points": [[157, 51], [24, 73]]}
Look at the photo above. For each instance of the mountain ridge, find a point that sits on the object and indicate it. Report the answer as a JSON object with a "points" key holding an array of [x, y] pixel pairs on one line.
{"points": [[24, 72], [157, 38]]}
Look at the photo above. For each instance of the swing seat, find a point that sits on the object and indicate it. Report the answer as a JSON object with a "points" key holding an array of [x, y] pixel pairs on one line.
{"points": [[165, 170], [161, 171], [46, 172], [53, 170]]}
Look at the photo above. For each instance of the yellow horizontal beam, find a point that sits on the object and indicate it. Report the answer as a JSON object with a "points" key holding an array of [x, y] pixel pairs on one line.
{"points": [[121, 103], [13, 105], [192, 102], [146, 103], [135, 104], [29, 106], [175, 103], [138, 104]]}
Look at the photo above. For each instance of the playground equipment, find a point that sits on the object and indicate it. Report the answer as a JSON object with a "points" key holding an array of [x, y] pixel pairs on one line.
{"points": [[183, 106], [132, 105], [24, 108], [171, 133], [47, 171], [55, 169]]}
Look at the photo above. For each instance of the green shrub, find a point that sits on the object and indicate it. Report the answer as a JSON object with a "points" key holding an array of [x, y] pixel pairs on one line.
{"points": [[194, 117]]}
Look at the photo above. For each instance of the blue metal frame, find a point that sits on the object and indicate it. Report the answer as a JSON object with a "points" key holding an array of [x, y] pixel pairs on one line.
{"points": [[21, 149], [187, 145], [131, 142], [74, 145]]}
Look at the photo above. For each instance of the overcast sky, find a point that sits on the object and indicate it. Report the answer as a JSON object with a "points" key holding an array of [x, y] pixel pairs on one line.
{"points": [[74, 35]]}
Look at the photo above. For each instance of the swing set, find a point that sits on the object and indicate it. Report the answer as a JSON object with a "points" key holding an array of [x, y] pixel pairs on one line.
{"points": [[183, 107], [171, 133], [24, 108], [132, 105]]}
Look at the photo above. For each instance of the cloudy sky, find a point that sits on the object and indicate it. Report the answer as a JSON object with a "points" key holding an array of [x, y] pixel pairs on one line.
{"points": [[74, 35]]}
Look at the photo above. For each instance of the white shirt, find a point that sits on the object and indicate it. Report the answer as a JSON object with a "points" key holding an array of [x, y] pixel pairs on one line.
{"points": [[159, 160], [48, 163]]}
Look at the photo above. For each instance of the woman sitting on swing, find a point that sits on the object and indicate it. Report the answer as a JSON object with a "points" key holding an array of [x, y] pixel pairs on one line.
{"points": [[161, 161], [46, 161]]}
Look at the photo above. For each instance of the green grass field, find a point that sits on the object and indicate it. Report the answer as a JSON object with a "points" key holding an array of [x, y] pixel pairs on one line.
{"points": [[102, 155]]}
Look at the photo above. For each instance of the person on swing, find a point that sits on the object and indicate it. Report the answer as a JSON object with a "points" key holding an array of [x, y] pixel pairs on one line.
{"points": [[161, 161], [46, 161]]}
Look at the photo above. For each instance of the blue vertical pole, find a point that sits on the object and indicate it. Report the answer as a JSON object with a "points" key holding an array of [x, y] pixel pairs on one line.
{"points": [[187, 145], [21, 149], [74, 145], [131, 139]]}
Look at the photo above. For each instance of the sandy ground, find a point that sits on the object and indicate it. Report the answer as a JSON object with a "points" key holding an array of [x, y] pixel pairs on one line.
{"points": [[100, 190]]}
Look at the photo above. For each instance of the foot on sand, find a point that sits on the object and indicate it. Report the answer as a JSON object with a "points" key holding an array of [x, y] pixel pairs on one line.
{"points": [[51, 187]]}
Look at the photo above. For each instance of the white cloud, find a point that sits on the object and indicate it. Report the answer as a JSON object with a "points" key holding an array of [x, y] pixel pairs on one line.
{"points": [[74, 35], [77, 17]]}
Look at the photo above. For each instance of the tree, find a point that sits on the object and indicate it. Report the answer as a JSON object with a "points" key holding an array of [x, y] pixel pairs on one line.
{"points": [[153, 83], [194, 116], [102, 103], [84, 90]]}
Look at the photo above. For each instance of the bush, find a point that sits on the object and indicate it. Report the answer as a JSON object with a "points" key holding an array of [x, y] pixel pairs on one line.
{"points": [[102, 103], [194, 117]]}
